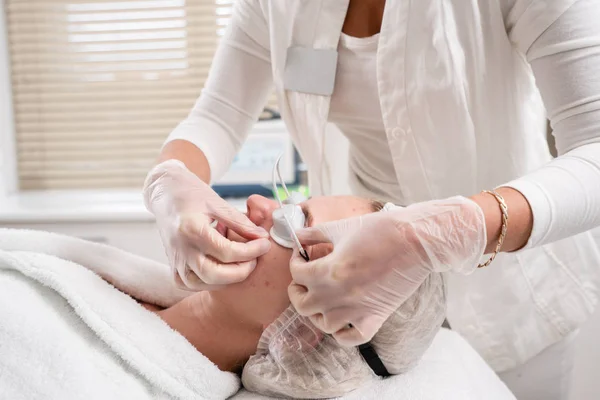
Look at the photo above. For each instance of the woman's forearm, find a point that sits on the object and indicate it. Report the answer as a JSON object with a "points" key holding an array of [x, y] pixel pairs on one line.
{"points": [[233, 97], [193, 158], [520, 219], [564, 195]]}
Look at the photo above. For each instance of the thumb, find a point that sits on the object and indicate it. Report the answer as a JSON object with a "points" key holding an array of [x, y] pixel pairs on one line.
{"points": [[314, 235], [329, 232], [238, 222]]}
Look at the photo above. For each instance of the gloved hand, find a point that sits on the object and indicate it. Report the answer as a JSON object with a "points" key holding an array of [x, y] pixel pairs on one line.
{"points": [[201, 256], [379, 260]]}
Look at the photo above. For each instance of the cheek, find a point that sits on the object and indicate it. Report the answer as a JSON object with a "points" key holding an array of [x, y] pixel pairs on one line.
{"points": [[263, 295], [273, 270], [271, 280]]}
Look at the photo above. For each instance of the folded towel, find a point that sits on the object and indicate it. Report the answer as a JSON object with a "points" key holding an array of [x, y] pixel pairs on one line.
{"points": [[143, 279]]}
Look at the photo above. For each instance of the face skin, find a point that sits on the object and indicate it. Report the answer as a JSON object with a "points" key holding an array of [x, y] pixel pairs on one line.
{"points": [[225, 325]]}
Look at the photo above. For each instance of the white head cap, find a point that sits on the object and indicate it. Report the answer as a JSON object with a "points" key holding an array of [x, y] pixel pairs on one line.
{"points": [[294, 359]]}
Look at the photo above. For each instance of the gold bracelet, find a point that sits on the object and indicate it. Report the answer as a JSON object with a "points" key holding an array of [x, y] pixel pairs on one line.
{"points": [[504, 210]]}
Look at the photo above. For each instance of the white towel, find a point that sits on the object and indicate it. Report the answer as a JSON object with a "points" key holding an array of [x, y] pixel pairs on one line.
{"points": [[67, 334], [62, 338], [139, 277]]}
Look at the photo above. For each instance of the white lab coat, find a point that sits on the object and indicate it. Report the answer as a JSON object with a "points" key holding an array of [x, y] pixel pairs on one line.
{"points": [[462, 113]]}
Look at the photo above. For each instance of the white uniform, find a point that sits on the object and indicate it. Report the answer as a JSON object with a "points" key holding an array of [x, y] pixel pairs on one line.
{"points": [[461, 112], [356, 112]]}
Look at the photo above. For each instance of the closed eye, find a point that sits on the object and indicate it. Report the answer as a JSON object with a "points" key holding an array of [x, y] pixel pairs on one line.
{"points": [[307, 215]]}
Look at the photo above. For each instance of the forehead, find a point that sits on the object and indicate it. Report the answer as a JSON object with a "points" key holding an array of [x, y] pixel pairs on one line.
{"points": [[332, 208]]}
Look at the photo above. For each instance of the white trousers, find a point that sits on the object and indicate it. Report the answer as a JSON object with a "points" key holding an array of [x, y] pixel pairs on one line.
{"points": [[547, 376]]}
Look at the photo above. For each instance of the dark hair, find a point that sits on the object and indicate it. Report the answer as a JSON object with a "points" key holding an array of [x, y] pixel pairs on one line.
{"points": [[377, 205]]}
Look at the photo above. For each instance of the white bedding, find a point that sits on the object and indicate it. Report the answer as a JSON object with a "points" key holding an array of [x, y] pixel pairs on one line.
{"points": [[67, 334]]}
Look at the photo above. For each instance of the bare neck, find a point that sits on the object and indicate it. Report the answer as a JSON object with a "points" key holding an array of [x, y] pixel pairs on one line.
{"points": [[227, 339], [364, 17]]}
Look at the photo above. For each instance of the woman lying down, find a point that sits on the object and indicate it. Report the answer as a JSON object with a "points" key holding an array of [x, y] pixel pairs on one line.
{"points": [[250, 327]]}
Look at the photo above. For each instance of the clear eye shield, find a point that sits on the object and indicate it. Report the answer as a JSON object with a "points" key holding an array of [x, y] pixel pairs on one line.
{"points": [[288, 217]]}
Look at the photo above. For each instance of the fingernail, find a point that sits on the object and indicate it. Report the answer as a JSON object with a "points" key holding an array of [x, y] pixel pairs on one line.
{"points": [[265, 245], [260, 231], [253, 264], [302, 232]]}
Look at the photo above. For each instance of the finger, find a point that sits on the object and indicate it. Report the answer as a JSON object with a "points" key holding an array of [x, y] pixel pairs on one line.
{"points": [[308, 302], [212, 272], [362, 330], [313, 235], [179, 269], [229, 251], [302, 300], [222, 229], [238, 222], [349, 337], [332, 321], [179, 282], [211, 242], [311, 272], [187, 280], [296, 293]]}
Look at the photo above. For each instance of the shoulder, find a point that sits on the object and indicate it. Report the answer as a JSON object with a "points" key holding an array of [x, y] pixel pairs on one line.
{"points": [[526, 20]]}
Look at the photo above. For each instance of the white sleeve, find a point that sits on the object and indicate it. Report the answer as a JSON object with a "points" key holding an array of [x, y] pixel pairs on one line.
{"points": [[235, 92], [565, 194]]}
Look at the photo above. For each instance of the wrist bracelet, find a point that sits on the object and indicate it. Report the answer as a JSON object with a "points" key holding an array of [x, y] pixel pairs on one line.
{"points": [[504, 210]]}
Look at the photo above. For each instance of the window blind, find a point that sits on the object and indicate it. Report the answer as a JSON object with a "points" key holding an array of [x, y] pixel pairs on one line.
{"points": [[98, 85]]}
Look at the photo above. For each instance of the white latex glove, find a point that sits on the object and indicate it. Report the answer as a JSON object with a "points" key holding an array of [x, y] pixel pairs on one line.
{"points": [[201, 257], [379, 260]]}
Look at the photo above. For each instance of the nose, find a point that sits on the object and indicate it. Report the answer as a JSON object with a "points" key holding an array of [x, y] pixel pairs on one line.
{"points": [[260, 210]]}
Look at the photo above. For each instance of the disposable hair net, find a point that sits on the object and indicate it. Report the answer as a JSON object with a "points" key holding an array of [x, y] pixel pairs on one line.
{"points": [[408, 332], [294, 359]]}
